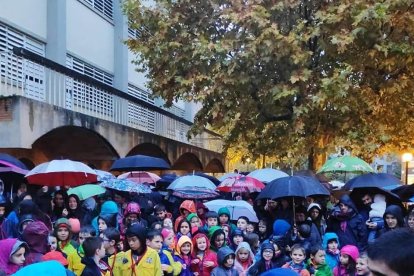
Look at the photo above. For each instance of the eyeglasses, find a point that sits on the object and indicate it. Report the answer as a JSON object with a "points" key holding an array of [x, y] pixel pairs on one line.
{"points": [[268, 251]]}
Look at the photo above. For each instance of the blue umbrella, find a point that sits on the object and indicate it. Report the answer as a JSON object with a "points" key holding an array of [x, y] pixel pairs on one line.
{"points": [[139, 163], [195, 193], [6, 160], [293, 186], [372, 180], [126, 185], [166, 179]]}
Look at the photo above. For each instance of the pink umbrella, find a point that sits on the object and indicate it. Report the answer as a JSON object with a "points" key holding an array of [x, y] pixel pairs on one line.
{"points": [[61, 173], [240, 184], [140, 177]]}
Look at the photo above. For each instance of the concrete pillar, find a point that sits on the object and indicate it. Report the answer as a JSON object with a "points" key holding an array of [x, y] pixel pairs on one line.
{"points": [[120, 48], [56, 31]]}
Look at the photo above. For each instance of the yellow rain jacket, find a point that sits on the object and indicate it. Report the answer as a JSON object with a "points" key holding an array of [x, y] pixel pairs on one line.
{"points": [[148, 265]]}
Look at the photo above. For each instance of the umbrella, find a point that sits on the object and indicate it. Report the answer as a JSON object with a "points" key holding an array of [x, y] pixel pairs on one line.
{"points": [[103, 175], [346, 164], [226, 175], [140, 177], [241, 184], [126, 185], [187, 181], [195, 193], [357, 194], [86, 191], [209, 177], [61, 173], [293, 186], [167, 179], [139, 163], [377, 180], [12, 174], [267, 174], [405, 192], [237, 208], [7, 160]]}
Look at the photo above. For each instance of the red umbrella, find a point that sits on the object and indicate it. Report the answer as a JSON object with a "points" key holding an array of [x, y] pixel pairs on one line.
{"points": [[241, 184], [61, 173], [140, 177]]}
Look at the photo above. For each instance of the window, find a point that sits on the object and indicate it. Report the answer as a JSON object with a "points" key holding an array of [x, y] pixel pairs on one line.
{"points": [[138, 116], [102, 7]]}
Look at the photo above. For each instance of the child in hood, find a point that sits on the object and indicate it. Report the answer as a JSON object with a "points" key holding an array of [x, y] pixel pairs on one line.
{"points": [[183, 251], [348, 259], [186, 208], [217, 238], [36, 236], [203, 259], [225, 258], [244, 258], [376, 222], [267, 252], [331, 244], [12, 255]]}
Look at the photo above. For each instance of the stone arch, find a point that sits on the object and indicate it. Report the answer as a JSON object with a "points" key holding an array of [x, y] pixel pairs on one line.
{"points": [[76, 143], [214, 166], [150, 150], [188, 162]]}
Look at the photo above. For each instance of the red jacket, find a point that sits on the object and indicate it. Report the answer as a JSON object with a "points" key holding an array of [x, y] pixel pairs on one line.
{"points": [[208, 256]]}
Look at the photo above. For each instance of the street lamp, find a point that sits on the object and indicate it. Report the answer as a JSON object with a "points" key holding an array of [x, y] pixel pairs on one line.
{"points": [[248, 163], [406, 157]]}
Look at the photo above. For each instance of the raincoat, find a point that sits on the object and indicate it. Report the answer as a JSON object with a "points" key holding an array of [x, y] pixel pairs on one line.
{"points": [[35, 235], [185, 260], [222, 253], [7, 248], [208, 256], [331, 258], [242, 268], [148, 265], [108, 208], [188, 205]]}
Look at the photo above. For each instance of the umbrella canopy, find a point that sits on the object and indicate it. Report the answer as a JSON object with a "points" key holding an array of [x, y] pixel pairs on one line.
{"points": [[241, 184], [195, 193], [125, 185], [266, 175], [373, 180], [227, 175], [237, 208], [405, 192], [209, 177], [12, 174], [139, 163], [104, 175], [140, 177], [87, 191], [346, 164], [61, 173], [7, 160], [188, 181], [293, 186], [357, 194], [167, 179]]}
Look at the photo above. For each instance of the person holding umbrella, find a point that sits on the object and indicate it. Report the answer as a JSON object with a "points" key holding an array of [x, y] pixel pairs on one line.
{"points": [[348, 224]]}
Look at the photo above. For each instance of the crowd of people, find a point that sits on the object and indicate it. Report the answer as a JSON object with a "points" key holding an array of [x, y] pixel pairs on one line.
{"points": [[123, 234]]}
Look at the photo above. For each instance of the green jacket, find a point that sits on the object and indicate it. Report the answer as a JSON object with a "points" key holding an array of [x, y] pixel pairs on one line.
{"points": [[321, 270]]}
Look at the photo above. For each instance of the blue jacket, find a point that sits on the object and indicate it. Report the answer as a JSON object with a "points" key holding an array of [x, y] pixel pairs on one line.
{"points": [[331, 259], [221, 270]]}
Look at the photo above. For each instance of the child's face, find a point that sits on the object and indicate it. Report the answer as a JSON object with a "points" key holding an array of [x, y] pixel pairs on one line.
{"points": [[219, 241], [226, 231], [83, 236], [250, 228], [201, 244], [52, 241], [229, 262], [333, 245], [62, 233], [362, 266], [242, 224], [106, 241], [267, 254], [237, 239], [101, 251], [223, 219], [344, 259], [410, 222], [186, 248], [131, 218], [161, 214], [319, 257], [195, 222], [18, 257], [211, 222], [167, 223], [102, 225], [185, 228], [134, 243], [155, 243], [243, 255], [298, 256], [262, 228]]}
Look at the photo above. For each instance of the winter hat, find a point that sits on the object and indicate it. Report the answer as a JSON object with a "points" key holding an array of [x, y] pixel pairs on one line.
{"points": [[75, 225], [237, 232], [63, 222], [280, 227], [190, 216], [378, 207], [211, 214], [212, 230], [166, 232], [304, 230], [55, 255], [266, 245], [351, 251], [224, 211], [314, 205]]}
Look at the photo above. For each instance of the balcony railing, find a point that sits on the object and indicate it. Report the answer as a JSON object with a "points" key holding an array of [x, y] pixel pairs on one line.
{"points": [[30, 75]]}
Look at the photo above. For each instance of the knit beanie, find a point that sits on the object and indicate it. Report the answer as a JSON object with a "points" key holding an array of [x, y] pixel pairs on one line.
{"points": [[190, 216], [63, 222], [166, 232]]}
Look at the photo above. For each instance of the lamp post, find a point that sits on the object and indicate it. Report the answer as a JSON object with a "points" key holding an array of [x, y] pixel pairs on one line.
{"points": [[406, 158], [248, 163]]}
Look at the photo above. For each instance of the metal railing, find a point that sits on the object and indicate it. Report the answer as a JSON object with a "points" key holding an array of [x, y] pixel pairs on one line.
{"points": [[29, 75]]}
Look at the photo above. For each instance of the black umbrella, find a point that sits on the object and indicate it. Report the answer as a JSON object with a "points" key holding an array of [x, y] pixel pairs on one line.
{"points": [[139, 163], [391, 198], [372, 180], [405, 192]]}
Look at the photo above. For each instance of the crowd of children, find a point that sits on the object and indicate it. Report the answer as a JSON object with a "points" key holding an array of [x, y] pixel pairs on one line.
{"points": [[121, 239]]}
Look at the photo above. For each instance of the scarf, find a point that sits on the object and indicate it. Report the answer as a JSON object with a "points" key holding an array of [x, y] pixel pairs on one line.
{"points": [[296, 267]]}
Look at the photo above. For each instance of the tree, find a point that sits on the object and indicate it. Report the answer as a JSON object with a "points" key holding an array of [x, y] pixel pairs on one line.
{"points": [[290, 78]]}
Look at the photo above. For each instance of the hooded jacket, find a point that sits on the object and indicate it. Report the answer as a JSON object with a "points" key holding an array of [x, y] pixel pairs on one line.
{"points": [[108, 208], [221, 270], [396, 212], [208, 256], [213, 232], [7, 248], [179, 257], [188, 205], [331, 259], [242, 268], [36, 235], [261, 266], [226, 211]]}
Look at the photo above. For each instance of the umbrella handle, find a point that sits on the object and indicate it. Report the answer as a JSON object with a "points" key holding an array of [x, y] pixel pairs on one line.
{"points": [[294, 215]]}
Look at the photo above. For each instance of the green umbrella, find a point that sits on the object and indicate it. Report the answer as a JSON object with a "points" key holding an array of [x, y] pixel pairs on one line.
{"points": [[346, 164], [86, 191]]}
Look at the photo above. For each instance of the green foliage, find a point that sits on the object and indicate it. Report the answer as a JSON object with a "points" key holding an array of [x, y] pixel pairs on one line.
{"points": [[288, 78]]}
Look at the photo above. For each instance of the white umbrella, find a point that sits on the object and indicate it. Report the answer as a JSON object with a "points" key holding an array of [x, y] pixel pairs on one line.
{"points": [[237, 208], [266, 175], [193, 181]]}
